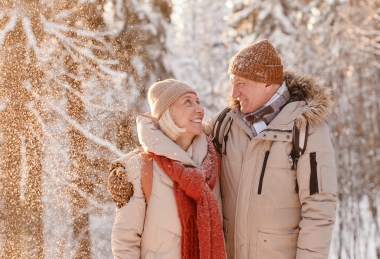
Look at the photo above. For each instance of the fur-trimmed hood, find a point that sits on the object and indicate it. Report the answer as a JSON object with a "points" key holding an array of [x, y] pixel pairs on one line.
{"points": [[319, 104]]}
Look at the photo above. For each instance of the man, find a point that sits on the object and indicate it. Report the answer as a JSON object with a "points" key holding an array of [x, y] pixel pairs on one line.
{"points": [[273, 209], [275, 205]]}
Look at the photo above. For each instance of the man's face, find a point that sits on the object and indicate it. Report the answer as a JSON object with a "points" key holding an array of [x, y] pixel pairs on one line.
{"points": [[250, 94]]}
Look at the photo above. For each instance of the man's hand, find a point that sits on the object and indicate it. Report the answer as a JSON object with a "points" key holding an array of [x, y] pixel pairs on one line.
{"points": [[120, 189]]}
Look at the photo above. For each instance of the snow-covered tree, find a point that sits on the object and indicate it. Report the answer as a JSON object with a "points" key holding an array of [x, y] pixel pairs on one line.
{"points": [[66, 89], [255, 20], [199, 48], [21, 147], [141, 45]]}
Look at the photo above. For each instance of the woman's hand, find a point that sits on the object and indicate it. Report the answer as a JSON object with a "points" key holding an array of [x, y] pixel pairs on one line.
{"points": [[120, 189]]}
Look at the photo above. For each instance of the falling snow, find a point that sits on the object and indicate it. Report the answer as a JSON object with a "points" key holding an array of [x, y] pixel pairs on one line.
{"points": [[74, 76]]}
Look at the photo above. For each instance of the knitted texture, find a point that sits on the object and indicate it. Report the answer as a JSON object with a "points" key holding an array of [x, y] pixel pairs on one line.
{"points": [[120, 189], [258, 62], [162, 94], [202, 235]]}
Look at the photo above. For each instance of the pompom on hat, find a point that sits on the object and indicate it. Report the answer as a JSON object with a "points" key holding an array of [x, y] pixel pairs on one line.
{"points": [[258, 62], [162, 94]]}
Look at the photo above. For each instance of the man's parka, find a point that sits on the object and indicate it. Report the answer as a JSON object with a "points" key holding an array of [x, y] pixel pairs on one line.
{"points": [[268, 208]]}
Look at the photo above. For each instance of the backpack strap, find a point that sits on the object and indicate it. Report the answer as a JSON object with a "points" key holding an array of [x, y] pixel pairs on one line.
{"points": [[146, 175], [215, 134], [299, 135]]}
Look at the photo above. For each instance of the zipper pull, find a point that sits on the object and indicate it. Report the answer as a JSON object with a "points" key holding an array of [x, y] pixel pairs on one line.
{"points": [[290, 159], [225, 144]]}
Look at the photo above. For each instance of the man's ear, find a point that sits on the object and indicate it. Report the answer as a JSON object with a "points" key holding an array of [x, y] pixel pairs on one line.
{"points": [[268, 88]]}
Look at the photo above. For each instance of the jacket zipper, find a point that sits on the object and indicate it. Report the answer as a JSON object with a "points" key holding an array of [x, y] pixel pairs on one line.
{"points": [[263, 172], [313, 174], [246, 212]]}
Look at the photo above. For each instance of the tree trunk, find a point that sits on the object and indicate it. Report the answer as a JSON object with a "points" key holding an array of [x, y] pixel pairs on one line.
{"points": [[78, 159], [21, 150]]}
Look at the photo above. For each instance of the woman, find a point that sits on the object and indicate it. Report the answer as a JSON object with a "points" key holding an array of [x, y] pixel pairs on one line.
{"points": [[183, 216]]}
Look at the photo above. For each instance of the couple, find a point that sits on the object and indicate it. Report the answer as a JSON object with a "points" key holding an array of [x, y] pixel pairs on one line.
{"points": [[275, 194]]}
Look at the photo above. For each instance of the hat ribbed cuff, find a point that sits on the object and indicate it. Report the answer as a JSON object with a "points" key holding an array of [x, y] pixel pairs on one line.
{"points": [[168, 96], [270, 74]]}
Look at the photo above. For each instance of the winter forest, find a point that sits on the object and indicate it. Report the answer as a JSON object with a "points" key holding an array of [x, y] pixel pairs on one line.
{"points": [[74, 75]]}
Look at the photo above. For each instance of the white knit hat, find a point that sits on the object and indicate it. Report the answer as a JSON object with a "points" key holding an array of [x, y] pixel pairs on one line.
{"points": [[162, 94]]}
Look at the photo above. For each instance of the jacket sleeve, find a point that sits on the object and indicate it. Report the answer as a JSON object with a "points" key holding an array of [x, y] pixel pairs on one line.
{"points": [[129, 220], [317, 181], [124, 159], [209, 124]]}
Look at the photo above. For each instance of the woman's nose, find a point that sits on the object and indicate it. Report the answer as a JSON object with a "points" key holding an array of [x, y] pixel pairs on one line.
{"points": [[199, 109]]}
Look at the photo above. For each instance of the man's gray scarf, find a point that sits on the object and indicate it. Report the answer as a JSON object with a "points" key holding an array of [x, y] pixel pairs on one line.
{"points": [[268, 111]]}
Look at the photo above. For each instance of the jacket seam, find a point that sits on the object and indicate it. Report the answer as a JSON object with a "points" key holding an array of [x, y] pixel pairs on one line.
{"points": [[305, 249], [276, 207]]}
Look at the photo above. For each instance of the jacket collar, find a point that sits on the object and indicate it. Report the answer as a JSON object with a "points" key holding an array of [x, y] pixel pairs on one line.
{"points": [[153, 140]]}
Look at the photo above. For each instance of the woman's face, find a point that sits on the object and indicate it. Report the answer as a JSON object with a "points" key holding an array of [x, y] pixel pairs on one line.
{"points": [[187, 113]]}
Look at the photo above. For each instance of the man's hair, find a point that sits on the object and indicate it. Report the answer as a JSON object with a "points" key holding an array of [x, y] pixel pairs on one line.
{"points": [[168, 127]]}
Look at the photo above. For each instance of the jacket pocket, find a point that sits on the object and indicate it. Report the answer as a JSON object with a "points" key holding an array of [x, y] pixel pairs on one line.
{"points": [[277, 243], [150, 255], [262, 173], [313, 187]]}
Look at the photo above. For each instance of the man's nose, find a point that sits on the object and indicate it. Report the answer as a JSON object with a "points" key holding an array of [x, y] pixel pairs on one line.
{"points": [[235, 92]]}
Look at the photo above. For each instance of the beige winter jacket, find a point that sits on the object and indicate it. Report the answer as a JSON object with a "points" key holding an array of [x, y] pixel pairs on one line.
{"points": [[279, 222], [154, 230]]}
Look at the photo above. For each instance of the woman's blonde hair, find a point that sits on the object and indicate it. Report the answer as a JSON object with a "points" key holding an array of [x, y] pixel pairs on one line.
{"points": [[168, 127]]}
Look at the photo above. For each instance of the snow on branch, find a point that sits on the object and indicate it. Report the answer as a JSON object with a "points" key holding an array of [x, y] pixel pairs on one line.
{"points": [[97, 140], [89, 135], [11, 24], [240, 15], [113, 73], [69, 44], [64, 182], [87, 102], [119, 9], [85, 33], [77, 58], [86, 65], [31, 39]]}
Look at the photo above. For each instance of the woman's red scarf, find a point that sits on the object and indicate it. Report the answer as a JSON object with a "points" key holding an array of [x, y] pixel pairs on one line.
{"points": [[202, 235]]}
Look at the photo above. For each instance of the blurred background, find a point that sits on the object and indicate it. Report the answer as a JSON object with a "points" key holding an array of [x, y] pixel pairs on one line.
{"points": [[74, 74]]}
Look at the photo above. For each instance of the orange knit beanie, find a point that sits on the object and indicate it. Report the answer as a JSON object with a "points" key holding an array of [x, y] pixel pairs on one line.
{"points": [[258, 62]]}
